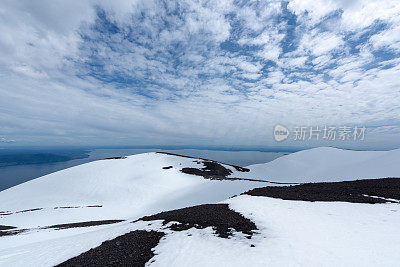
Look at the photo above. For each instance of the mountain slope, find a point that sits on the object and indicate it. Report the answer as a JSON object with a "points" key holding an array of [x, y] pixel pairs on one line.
{"points": [[117, 188], [327, 164], [95, 194], [56, 217], [280, 232]]}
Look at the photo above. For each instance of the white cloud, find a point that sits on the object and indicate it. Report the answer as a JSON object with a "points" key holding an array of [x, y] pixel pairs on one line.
{"points": [[293, 62], [356, 14], [38, 35], [182, 83], [320, 43], [316, 9], [363, 13], [270, 52], [389, 38]]}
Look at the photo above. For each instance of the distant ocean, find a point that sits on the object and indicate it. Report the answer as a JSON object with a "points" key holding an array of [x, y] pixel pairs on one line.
{"points": [[17, 174]]}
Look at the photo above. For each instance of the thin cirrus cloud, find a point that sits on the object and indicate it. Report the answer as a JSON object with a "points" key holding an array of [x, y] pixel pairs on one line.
{"points": [[196, 72]]}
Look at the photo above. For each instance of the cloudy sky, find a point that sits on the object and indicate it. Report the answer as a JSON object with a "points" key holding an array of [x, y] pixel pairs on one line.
{"points": [[197, 72]]}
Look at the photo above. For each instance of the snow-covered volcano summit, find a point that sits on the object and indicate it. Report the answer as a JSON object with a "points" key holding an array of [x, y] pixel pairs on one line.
{"points": [[117, 187]]}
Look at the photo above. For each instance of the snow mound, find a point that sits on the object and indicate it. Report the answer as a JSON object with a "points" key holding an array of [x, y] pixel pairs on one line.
{"points": [[104, 190], [133, 186], [327, 164]]}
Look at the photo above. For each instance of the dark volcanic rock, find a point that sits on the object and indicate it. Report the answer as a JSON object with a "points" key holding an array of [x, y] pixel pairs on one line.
{"points": [[205, 162], [67, 207], [131, 249], [167, 167], [56, 226], [218, 216], [6, 230], [348, 191], [134, 248], [211, 170], [6, 227], [11, 231], [81, 224], [23, 211], [116, 158]]}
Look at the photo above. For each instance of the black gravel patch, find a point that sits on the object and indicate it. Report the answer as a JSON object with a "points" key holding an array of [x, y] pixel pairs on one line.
{"points": [[131, 249], [11, 231], [211, 170], [6, 230], [81, 224], [6, 227], [116, 158], [167, 167], [23, 211], [359, 191], [218, 216], [256, 180], [240, 169]]}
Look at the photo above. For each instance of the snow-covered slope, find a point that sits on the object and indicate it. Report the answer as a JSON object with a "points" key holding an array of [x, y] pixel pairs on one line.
{"points": [[327, 164], [293, 233], [112, 189], [124, 188], [129, 188]]}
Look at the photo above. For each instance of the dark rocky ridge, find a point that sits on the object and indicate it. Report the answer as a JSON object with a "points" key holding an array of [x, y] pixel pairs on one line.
{"points": [[347, 191], [201, 160], [215, 170], [211, 170]]}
